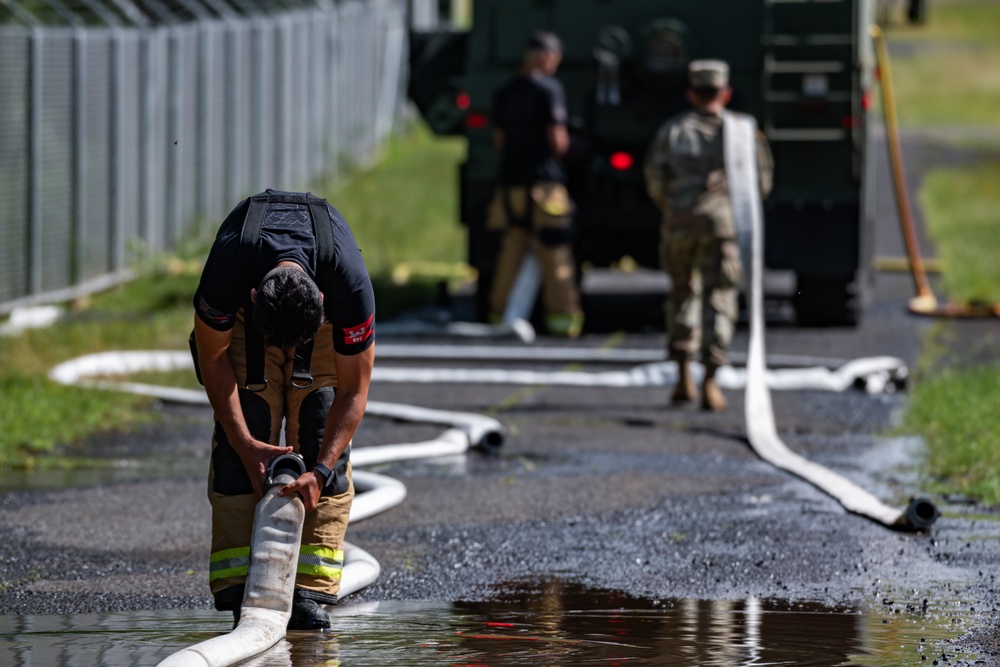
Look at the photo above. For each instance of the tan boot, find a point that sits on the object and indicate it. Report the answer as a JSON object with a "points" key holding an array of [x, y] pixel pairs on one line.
{"points": [[684, 390], [712, 397]]}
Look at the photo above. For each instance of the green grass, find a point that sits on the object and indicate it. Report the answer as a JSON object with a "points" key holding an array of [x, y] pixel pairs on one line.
{"points": [[406, 209], [948, 70], [946, 73], [403, 211], [962, 208], [955, 411], [967, 20], [37, 414], [953, 404]]}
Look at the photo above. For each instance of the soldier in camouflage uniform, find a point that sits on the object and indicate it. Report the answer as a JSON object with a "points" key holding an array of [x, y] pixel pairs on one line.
{"points": [[685, 176]]}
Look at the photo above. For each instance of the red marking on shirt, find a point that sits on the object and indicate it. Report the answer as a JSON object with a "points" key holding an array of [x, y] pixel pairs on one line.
{"points": [[211, 313], [360, 333]]}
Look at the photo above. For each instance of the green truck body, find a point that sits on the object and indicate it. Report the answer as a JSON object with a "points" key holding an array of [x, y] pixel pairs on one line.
{"points": [[802, 68]]}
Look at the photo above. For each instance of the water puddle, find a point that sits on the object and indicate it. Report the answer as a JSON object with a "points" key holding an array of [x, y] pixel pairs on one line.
{"points": [[546, 625], [79, 472]]}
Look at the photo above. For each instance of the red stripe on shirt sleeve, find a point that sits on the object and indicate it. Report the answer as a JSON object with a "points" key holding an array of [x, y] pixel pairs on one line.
{"points": [[360, 333]]}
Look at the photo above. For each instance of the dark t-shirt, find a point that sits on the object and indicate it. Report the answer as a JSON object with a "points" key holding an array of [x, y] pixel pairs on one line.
{"points": [[523, 109], [287, 234]]}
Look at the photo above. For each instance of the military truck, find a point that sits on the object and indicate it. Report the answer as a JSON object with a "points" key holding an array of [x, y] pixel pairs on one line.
{"points": [[803, 68]]}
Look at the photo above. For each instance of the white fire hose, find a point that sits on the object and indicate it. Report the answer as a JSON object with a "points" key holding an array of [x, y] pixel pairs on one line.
{"points": [[278, 521], [267, 602], [741, 172]]}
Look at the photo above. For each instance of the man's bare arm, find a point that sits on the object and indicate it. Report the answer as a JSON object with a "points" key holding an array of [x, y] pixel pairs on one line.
{"points": [[220, 385], [558, 137], [353, 378]]}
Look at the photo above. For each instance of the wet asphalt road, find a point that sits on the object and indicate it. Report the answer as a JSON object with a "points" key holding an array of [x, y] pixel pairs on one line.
{"points": [[608, 488]]}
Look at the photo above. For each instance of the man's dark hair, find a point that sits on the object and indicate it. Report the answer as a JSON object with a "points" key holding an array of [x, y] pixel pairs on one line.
{"points": [[705, 94], [289, 308]]}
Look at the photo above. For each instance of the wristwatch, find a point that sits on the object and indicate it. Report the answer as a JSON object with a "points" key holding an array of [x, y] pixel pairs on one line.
{"points": [[324, 472]]}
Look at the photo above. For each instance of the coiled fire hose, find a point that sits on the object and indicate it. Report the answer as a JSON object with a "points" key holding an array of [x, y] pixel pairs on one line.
{"points": [[278, 521]]}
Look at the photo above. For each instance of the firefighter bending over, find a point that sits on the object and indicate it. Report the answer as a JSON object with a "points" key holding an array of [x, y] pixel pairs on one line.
{"points": [[531, 205], [284, 333], [685, 176]]}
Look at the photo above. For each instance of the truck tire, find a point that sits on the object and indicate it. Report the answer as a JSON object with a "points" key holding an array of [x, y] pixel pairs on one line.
{"points": [[827, 301]]}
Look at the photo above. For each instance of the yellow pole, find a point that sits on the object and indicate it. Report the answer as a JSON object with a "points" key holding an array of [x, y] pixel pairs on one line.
{"points": [[461, 14], [925, 299]]}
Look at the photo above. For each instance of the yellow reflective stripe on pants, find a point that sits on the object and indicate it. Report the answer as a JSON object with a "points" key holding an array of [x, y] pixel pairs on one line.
{"points": [[229, 563], [564, 325], [320, 561], [317, 561]]}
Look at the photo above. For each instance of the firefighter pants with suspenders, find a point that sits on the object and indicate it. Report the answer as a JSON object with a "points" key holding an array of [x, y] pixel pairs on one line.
{"points": [[538, 217], [279, 390]]}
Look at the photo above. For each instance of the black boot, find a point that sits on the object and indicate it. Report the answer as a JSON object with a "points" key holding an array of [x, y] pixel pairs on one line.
{"points": [[307, 614], [230, 599]]}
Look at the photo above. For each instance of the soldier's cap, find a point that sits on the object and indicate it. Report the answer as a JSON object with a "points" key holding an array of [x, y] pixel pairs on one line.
{"points": [[542, 40], [708, 74]]}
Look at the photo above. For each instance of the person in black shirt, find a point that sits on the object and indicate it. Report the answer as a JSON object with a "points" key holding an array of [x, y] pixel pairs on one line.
{"points": [[284, 336], [531, 205]]}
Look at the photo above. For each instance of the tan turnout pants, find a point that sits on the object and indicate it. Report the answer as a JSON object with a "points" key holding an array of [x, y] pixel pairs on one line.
{"points": [[303, 413], [545, 229]]}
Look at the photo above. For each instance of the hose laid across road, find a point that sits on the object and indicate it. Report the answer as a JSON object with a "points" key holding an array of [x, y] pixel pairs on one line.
{"points": [[477, 430], [258, 632], [874, 374], [278, 521], [741, 171]]}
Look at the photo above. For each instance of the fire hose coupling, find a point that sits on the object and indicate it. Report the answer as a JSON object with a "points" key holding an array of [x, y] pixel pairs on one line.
{"points": [[284, 465], [921, 514]]}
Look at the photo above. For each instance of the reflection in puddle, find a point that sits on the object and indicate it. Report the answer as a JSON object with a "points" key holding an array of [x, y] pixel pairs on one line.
{"points": [[554, 625]]}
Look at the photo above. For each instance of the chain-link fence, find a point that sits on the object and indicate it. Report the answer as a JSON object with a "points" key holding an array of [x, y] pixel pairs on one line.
{"points": [[120, 141]]}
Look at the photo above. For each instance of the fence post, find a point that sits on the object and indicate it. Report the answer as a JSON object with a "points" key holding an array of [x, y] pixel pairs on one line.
{"points": [[206, 60], [79, 223], [263, 139], [172, 196], [35, 158], [116, 226], [144, 227], [232, 102], [333, 118], [282, 64]]}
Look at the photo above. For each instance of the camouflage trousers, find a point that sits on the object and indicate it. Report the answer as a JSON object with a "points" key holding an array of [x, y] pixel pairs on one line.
{"points": [[702, 306]]}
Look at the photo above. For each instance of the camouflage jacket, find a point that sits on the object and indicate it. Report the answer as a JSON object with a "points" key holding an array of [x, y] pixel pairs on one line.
{"points": [[685, 172]]}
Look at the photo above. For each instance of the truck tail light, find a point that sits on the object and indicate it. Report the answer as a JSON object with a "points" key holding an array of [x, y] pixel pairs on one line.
{"points": [[621, 161], [476, 121]]}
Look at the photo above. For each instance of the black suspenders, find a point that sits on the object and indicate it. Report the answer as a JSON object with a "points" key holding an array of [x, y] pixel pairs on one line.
{"points": [[249, 242]]}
